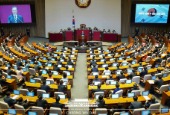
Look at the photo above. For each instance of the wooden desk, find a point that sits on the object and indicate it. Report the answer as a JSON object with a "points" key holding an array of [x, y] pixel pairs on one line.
{"points": [[109, 101], [12, 83], [21, 55], [30, 50], [39, 47], [165, 97], [52, 86], [34, 99], [10, 60]]}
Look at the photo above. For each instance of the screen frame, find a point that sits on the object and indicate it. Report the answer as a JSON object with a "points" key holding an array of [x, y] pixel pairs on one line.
{"points": [[32, 8], [133, 12]]}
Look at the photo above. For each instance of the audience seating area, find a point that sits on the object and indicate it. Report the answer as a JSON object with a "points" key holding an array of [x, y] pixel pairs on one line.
{"points": [[126, 79]]}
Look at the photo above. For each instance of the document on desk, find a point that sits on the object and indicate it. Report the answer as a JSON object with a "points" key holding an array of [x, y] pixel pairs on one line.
{"points": [[146, 97], [151, 81], [15, 97]]}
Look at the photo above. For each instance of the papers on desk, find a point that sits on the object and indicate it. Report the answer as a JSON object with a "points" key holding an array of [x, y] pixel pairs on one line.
{"points": [[151, 81], [147, 98], [15, 97]]}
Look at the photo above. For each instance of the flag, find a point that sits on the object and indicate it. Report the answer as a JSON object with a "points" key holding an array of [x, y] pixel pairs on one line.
{"points": [[73, 22]]}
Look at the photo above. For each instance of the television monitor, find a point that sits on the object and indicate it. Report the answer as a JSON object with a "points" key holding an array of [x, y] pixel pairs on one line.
{"points": [[44, 72], [145, 112], [97, 83], [128, 81], [124, 113], [32, 113], [16, 92], [145, 93], [9, 77], [95, 73], [49, 64], [133, 62], [62, 96], [12, 111], [31, 94], [32, 80], [165, 110], [55, 73], [67, 72], [115, 96], [48, 82], [17, 13], [165, 75], [131, 95], [46, 95], [114, 64], [154, 77], [151, 13], [97, 97], [53, 114]]}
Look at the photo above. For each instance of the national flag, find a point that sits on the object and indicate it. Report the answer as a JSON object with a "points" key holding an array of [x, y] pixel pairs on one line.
{"points": [[73, 22]]}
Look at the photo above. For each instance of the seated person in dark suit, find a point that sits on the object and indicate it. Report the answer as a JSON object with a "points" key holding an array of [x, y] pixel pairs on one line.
{"points": [[150, 102], [61, 87], [96, 79], [10, 71], [94, 69], [132, 74], [100, 102], [98, 89], [25, 103], [40, 75], [41, 103], [121, 76], [33, 58], [135, 104], [70, 62], [144, 72], [93, 62], [57, 103], [135, 87], [110, 77], [9, 100], [19, 63], [159, 82], [45, 87], [117, 88]]}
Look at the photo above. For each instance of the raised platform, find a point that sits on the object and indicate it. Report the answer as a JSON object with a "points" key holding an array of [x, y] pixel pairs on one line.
{"points": [[83, 48]]}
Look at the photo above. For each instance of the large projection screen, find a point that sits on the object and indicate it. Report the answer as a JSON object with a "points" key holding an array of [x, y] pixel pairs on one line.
{"points": [[104, 14]]}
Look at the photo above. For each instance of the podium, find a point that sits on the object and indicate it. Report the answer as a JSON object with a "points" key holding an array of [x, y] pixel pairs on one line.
{"points": [[82, 40]]}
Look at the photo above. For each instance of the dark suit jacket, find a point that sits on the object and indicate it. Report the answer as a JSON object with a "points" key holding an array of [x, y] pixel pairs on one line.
{"points": [[19, 19], [9, 101], [57, 104], [62, 88], [94, 69], [159, 83], [150, 103], [100, 104], [45, 87], [135, 105], [41, 103]]}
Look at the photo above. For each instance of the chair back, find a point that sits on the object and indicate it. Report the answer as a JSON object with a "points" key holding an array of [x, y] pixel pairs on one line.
{"points": [[122, 80], [147, 77], [40, 92], [120, 92], [20, 109], [136, 79], [99, 93], [38, 110], [100, 111], [56, 110], [163, 88], [58, 93], [154, 107], [32, 71], [138, 111], [23, 91], [137, 92], [4, 106], [38, 80]]}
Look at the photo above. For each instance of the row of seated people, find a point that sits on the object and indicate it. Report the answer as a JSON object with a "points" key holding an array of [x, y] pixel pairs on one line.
{"points": [[46, 66], [107, 73]]}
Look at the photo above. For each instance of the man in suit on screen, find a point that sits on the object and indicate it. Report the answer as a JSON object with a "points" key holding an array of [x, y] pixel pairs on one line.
{"points": [[14, 17]]}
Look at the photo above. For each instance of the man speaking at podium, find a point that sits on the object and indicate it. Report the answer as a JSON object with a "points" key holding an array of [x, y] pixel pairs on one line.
{"points": [[14, 17]]}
